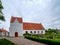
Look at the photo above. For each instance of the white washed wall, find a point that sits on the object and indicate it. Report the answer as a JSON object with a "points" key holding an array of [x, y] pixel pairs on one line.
{"points": [[16, 27], [34, 30], [2, 34], [6, 33]]}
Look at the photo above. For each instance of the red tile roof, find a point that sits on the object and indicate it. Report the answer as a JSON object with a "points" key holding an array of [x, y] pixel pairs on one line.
{"points": [[32, 26], [3, 30], [14, 18]]}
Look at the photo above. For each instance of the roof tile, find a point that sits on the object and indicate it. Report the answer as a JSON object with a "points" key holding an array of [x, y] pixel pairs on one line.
{"points": [[3, 30], [14, 18], [32, 26]]}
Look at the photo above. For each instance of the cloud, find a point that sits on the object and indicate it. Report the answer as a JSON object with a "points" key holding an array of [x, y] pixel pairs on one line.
{"points": [[46, 12]]}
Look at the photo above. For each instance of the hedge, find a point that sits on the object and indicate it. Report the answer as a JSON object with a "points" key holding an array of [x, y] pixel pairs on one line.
{"points": [[43, 40]]}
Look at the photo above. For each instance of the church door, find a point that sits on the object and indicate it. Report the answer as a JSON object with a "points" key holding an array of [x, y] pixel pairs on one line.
{"points": [[16, 34]]}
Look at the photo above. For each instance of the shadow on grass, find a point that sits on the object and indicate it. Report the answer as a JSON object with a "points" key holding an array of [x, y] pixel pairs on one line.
{"points": [[6, 42]]}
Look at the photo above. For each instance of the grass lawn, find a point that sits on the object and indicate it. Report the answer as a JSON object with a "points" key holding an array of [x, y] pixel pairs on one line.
{"points": [[6, 42]]}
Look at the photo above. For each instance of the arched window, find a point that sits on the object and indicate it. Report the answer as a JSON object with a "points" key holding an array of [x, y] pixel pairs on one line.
{"points": [[30, 31], [34, 31], [38, 31], [41, 31], [26, 32]]}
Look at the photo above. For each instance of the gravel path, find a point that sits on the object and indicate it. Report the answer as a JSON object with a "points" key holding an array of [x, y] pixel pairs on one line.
{"points": [[24, 41]]}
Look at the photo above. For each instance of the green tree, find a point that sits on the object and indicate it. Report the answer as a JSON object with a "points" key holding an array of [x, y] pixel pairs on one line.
{"points": [[1, 14], [51, 30]]}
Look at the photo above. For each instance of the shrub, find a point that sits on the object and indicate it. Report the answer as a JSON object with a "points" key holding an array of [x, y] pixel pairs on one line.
{"points": [[44, 40]]}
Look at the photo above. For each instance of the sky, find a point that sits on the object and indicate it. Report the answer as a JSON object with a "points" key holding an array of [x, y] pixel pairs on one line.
{"points": [[46, 12]]}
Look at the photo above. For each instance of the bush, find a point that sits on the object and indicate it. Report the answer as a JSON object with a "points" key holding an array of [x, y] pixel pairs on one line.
{"points": [[26, 34], [44, 40]]}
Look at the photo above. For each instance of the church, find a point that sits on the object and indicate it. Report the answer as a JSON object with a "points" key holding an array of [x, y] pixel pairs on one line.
{"points": [[18, 27]]}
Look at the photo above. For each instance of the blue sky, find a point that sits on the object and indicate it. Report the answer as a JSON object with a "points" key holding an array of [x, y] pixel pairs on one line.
{"points": [[46, 12]]}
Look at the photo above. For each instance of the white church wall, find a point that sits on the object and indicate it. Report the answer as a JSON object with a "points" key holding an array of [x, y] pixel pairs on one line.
{"points": [[16, 27], [3, 33], [37, 31], [6, 33]]}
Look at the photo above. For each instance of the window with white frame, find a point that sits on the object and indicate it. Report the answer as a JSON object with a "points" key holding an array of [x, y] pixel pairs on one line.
{"points": [[34, 31], [38, 31], [26, 32], [30, 31], [41, 31]]}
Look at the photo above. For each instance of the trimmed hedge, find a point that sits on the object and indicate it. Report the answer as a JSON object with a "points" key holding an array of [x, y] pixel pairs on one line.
{"points": [[43, 40], [6, 42]]}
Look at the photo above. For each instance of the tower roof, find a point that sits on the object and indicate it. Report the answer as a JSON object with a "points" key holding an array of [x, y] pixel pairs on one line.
{"points": [[14, 18]]}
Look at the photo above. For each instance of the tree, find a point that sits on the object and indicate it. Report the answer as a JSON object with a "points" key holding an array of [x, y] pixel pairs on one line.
{"points": [[1, 14]]}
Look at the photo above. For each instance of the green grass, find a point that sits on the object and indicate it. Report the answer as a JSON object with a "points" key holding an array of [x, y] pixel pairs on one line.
{"points": [[6, 42]]}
